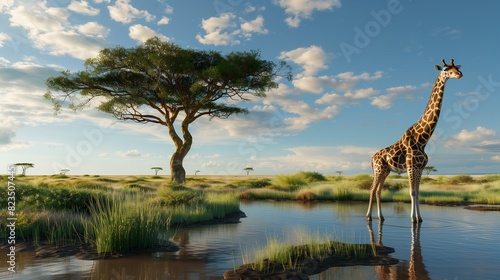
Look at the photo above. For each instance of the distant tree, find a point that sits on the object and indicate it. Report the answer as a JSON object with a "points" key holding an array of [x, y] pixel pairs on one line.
{"points": [[63, 171], [156, 169], [339, 172], [429, 169], [248, 169], [24, 166], [159, 82], [196, 172]]}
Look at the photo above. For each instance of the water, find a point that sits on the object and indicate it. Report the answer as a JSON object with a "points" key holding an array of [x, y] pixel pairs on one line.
{"points": [[451, 243]]}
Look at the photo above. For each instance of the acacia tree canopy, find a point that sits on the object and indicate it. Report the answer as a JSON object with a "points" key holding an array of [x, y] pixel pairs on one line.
{"points": [[24, 166], [159, 82]]}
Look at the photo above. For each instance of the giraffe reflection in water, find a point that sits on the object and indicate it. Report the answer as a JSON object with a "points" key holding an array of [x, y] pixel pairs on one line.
{"points": [[414, 269]]}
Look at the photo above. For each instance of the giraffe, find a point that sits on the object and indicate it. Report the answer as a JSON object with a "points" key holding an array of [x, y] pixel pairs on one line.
{"points": [[407, 154]]}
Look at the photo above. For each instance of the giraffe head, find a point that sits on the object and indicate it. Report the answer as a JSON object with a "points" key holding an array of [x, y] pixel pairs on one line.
{"points": [[449, 70]]}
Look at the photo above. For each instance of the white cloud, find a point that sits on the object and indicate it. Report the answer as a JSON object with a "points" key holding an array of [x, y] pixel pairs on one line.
{"points": [[210, 164], [164, 20], [311, 59], [495, 158], [93, 29], [69, 42], [349, 97], [4, 62], [314, 84], [319, 158], [130, 153], [223, 30], [168, 9], [122, 11], [479, 135], [215, 30], [301, 9], [3, 38], [385, 101], [22, 85], [83, 7], [49, 30], [254, 26], [38, 19], [6, 4], [142, 33], [8, 128]]}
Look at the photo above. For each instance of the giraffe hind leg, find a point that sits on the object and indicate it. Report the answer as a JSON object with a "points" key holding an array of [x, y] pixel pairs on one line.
{"points": [[379, 176]]}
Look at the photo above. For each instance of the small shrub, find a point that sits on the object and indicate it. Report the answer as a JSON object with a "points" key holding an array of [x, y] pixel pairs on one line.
{"points": [[254, 184], [461, 179], [310, 176], [59, 176], [290, 182], [179, 195], [365, 184], [427, 180], [394, 187]]}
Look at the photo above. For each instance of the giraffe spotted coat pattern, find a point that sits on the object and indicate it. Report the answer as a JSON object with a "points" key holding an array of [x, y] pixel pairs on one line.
{"points": [[407, 154]]}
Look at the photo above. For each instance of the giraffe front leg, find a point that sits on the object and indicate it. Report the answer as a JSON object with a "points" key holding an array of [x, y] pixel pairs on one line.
{"points": [[379, 206], [417, 206], [414, 181], [370, 204]]}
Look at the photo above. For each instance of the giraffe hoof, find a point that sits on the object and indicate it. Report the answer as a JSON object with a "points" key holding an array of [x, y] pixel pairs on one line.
{"points": [[368, 218]]}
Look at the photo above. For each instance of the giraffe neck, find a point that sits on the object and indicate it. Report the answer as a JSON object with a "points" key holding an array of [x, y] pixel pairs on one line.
{"points": [[428, 121]]}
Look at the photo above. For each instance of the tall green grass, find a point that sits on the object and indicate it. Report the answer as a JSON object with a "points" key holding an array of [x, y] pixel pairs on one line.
{"points": [[123, 223], [54, 228], [209, 206]]}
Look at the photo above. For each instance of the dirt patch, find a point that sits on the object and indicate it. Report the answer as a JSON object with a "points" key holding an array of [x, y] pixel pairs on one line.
{"points": [[309, 266]]}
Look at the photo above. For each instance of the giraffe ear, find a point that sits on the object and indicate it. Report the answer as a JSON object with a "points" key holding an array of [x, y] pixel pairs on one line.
{"points": [[458, 66], [438, 67]]}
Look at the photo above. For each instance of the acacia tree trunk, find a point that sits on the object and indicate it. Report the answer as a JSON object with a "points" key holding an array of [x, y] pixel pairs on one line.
{"points": [[177, 172], [182, 147]]}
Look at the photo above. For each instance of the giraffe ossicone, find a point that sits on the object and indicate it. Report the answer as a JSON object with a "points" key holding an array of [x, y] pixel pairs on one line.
{"points": [[408, 153]]}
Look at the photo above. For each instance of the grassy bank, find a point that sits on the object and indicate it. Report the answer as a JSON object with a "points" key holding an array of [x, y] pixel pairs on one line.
{"points": [[289, 252], [109, 213], [460, 189]]}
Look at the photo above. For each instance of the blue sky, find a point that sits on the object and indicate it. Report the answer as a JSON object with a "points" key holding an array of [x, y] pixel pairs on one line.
{"points": [[362, 74]]}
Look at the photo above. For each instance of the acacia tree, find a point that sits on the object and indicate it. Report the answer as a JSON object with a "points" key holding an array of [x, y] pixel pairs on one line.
{"points": [[156, 169], [161, 83], [24, 166], [63, 171], [248, 169], [429, 169]]}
